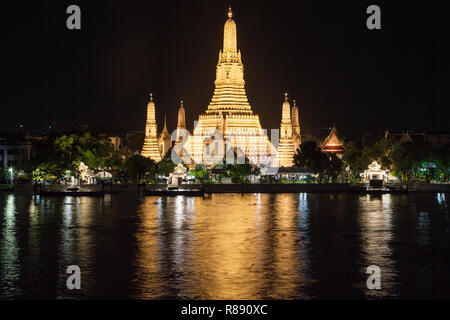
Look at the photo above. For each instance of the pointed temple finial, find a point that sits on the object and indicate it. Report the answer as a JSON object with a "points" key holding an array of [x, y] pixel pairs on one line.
{"points": [[294, 103], [333, 129], [230, 13], [165, 120], [151, 96], [285, 96], [181, 102]]}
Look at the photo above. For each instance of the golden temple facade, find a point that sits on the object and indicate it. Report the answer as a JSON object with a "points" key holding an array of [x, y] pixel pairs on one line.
{"points": [[229, 116]]}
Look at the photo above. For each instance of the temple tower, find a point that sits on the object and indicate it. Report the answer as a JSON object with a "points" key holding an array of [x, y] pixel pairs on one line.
{"points": [[150, 149], [296, 135], [181, 124], [286, 150], [165, 141], [229, 113]]}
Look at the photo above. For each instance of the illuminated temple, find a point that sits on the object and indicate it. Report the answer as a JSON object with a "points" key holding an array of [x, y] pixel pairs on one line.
{"points": [[285, 154], [228, 125], [290, 136], [151, 148], [229, 112]]}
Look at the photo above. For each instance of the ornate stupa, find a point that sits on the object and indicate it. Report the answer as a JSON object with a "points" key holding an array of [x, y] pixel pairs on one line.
{"points": [[286, 150], [296, 135], [165, 140], [181, 124], [229, 112], [150, 149]]}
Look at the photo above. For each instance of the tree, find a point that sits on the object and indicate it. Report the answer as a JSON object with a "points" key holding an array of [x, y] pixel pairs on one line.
{"points": [[327, 167], [309, 155], [199, 173], [95, 151], [334, 168], [441, 160], [140, 168], [166, 166], [368, 139], [371, 149], [352, 158], [239, 172], [53, 158], [401, 162], [57, 155]]}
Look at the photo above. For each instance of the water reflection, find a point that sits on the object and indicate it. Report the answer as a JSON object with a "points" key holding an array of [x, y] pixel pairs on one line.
{"points": [[256, 246], [9, 249], [228, 247], [376, 238]]}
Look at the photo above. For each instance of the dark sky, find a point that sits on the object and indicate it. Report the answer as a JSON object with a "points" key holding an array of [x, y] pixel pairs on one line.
{"points": [[319, 51]]}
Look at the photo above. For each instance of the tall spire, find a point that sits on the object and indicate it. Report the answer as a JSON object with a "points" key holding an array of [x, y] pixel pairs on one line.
{"points": [[229, 94], [164, 133], [165, 120], [285, 146], [181, 125], [181, 117], [294, 116], [229, 110], [286, 110], [164, 139], [229, 35], [296, 135]]}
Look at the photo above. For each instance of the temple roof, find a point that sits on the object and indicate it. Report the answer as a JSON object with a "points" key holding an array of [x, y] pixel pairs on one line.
{"points": [[332, 143]]}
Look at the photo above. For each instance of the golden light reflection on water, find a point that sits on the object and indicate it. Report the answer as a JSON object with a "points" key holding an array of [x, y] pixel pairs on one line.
{"points": [[230, 247], [229, 259], [148, 256], [376, 237], [256, 246]]}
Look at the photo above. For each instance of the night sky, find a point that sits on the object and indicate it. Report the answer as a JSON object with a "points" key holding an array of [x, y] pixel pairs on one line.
{"points": [[319, 51]]}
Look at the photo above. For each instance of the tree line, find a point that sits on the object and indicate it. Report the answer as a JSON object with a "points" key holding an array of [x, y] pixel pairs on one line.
{"points": [[55, 156], [414, 160]]}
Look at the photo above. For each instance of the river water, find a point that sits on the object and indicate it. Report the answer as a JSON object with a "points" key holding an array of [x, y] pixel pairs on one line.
{"points": [[255, 246]]}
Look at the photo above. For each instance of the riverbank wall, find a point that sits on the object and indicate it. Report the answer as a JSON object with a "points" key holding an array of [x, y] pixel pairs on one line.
{"points": [[307, 187], [260, 188]]}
